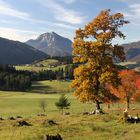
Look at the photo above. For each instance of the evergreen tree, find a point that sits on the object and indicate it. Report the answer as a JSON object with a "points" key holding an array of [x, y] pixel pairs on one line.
{"points": [[62, 103]]}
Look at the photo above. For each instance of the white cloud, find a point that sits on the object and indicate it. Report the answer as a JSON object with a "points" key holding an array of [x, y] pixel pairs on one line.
{"points": [[68, 1], [65, 26], [6, 9], [128, 1], [63, 14], [124, 0], [55, 24], [23, 35], [133, 13], [16, 34], [135, 8]]}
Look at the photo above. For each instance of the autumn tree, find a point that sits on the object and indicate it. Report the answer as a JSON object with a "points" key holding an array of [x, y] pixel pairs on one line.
{"points": [[137, 96], [129, 90], [93, 49]]}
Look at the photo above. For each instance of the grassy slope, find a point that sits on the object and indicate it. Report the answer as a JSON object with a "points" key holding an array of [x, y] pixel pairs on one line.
{"points": [[131, 65], [45, 66], [73, 127], [46, 62]]}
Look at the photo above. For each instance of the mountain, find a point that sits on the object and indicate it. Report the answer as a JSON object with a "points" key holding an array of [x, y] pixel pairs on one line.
{"points": [[132, 51], [52, 44], [15, 52]]}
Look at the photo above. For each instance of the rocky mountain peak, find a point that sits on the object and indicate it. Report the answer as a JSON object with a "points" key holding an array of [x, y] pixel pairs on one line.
{"points": [[52, 44]]}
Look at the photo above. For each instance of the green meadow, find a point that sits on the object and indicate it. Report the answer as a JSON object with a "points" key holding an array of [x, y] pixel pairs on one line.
{"points": [[75, 126], [41, 66]]}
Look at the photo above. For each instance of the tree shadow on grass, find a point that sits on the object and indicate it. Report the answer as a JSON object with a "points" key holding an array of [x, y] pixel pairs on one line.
{"points": [[42, 89], [45, 89]]}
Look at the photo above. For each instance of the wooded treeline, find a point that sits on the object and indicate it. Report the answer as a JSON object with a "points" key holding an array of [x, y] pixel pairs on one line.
{"points": [[13, 80], [62, 73]]}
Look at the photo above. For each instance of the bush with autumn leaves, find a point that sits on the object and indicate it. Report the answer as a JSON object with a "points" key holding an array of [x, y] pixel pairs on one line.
{"points": [[129, 89]]}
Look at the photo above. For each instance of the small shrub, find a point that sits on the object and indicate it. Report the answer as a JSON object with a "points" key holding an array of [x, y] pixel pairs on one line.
{"points": [[43, 105], [63, 103]]}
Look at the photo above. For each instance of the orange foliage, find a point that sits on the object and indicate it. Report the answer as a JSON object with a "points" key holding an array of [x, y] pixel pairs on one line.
{"points": [[129, 90], [93, 49], [137, 96]]}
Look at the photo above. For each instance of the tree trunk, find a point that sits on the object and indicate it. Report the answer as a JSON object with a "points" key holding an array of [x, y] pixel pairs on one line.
{"points": [[97, 102], [98, 108], [97, 105], [127, 104]]}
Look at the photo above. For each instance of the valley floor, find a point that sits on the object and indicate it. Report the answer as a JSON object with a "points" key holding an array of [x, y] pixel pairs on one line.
{"points": [[75, 126]]}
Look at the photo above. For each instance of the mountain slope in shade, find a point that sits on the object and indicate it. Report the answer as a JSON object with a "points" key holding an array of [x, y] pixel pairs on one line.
{"points": [[52, 44], [15, 52], [132, 51]]}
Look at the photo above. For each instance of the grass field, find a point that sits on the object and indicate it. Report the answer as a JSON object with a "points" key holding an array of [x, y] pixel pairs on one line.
{"points": [[51, 87], [37, 69], [41, 66], [131, 65], [46, 62], [72, 127]]}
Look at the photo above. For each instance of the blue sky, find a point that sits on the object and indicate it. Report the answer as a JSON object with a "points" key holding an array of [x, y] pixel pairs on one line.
{"points": [[25, 19]]}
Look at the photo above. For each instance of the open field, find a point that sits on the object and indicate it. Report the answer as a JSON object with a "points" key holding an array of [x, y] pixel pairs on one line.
{"points": [[37, 69], [48, 64], [131, 65], [72, 127], [31, 68], [51, 87]]}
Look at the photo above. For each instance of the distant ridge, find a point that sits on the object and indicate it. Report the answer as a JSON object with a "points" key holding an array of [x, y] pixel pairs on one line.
{"points": [[52, 44], [15, 52], [132, 51]]}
